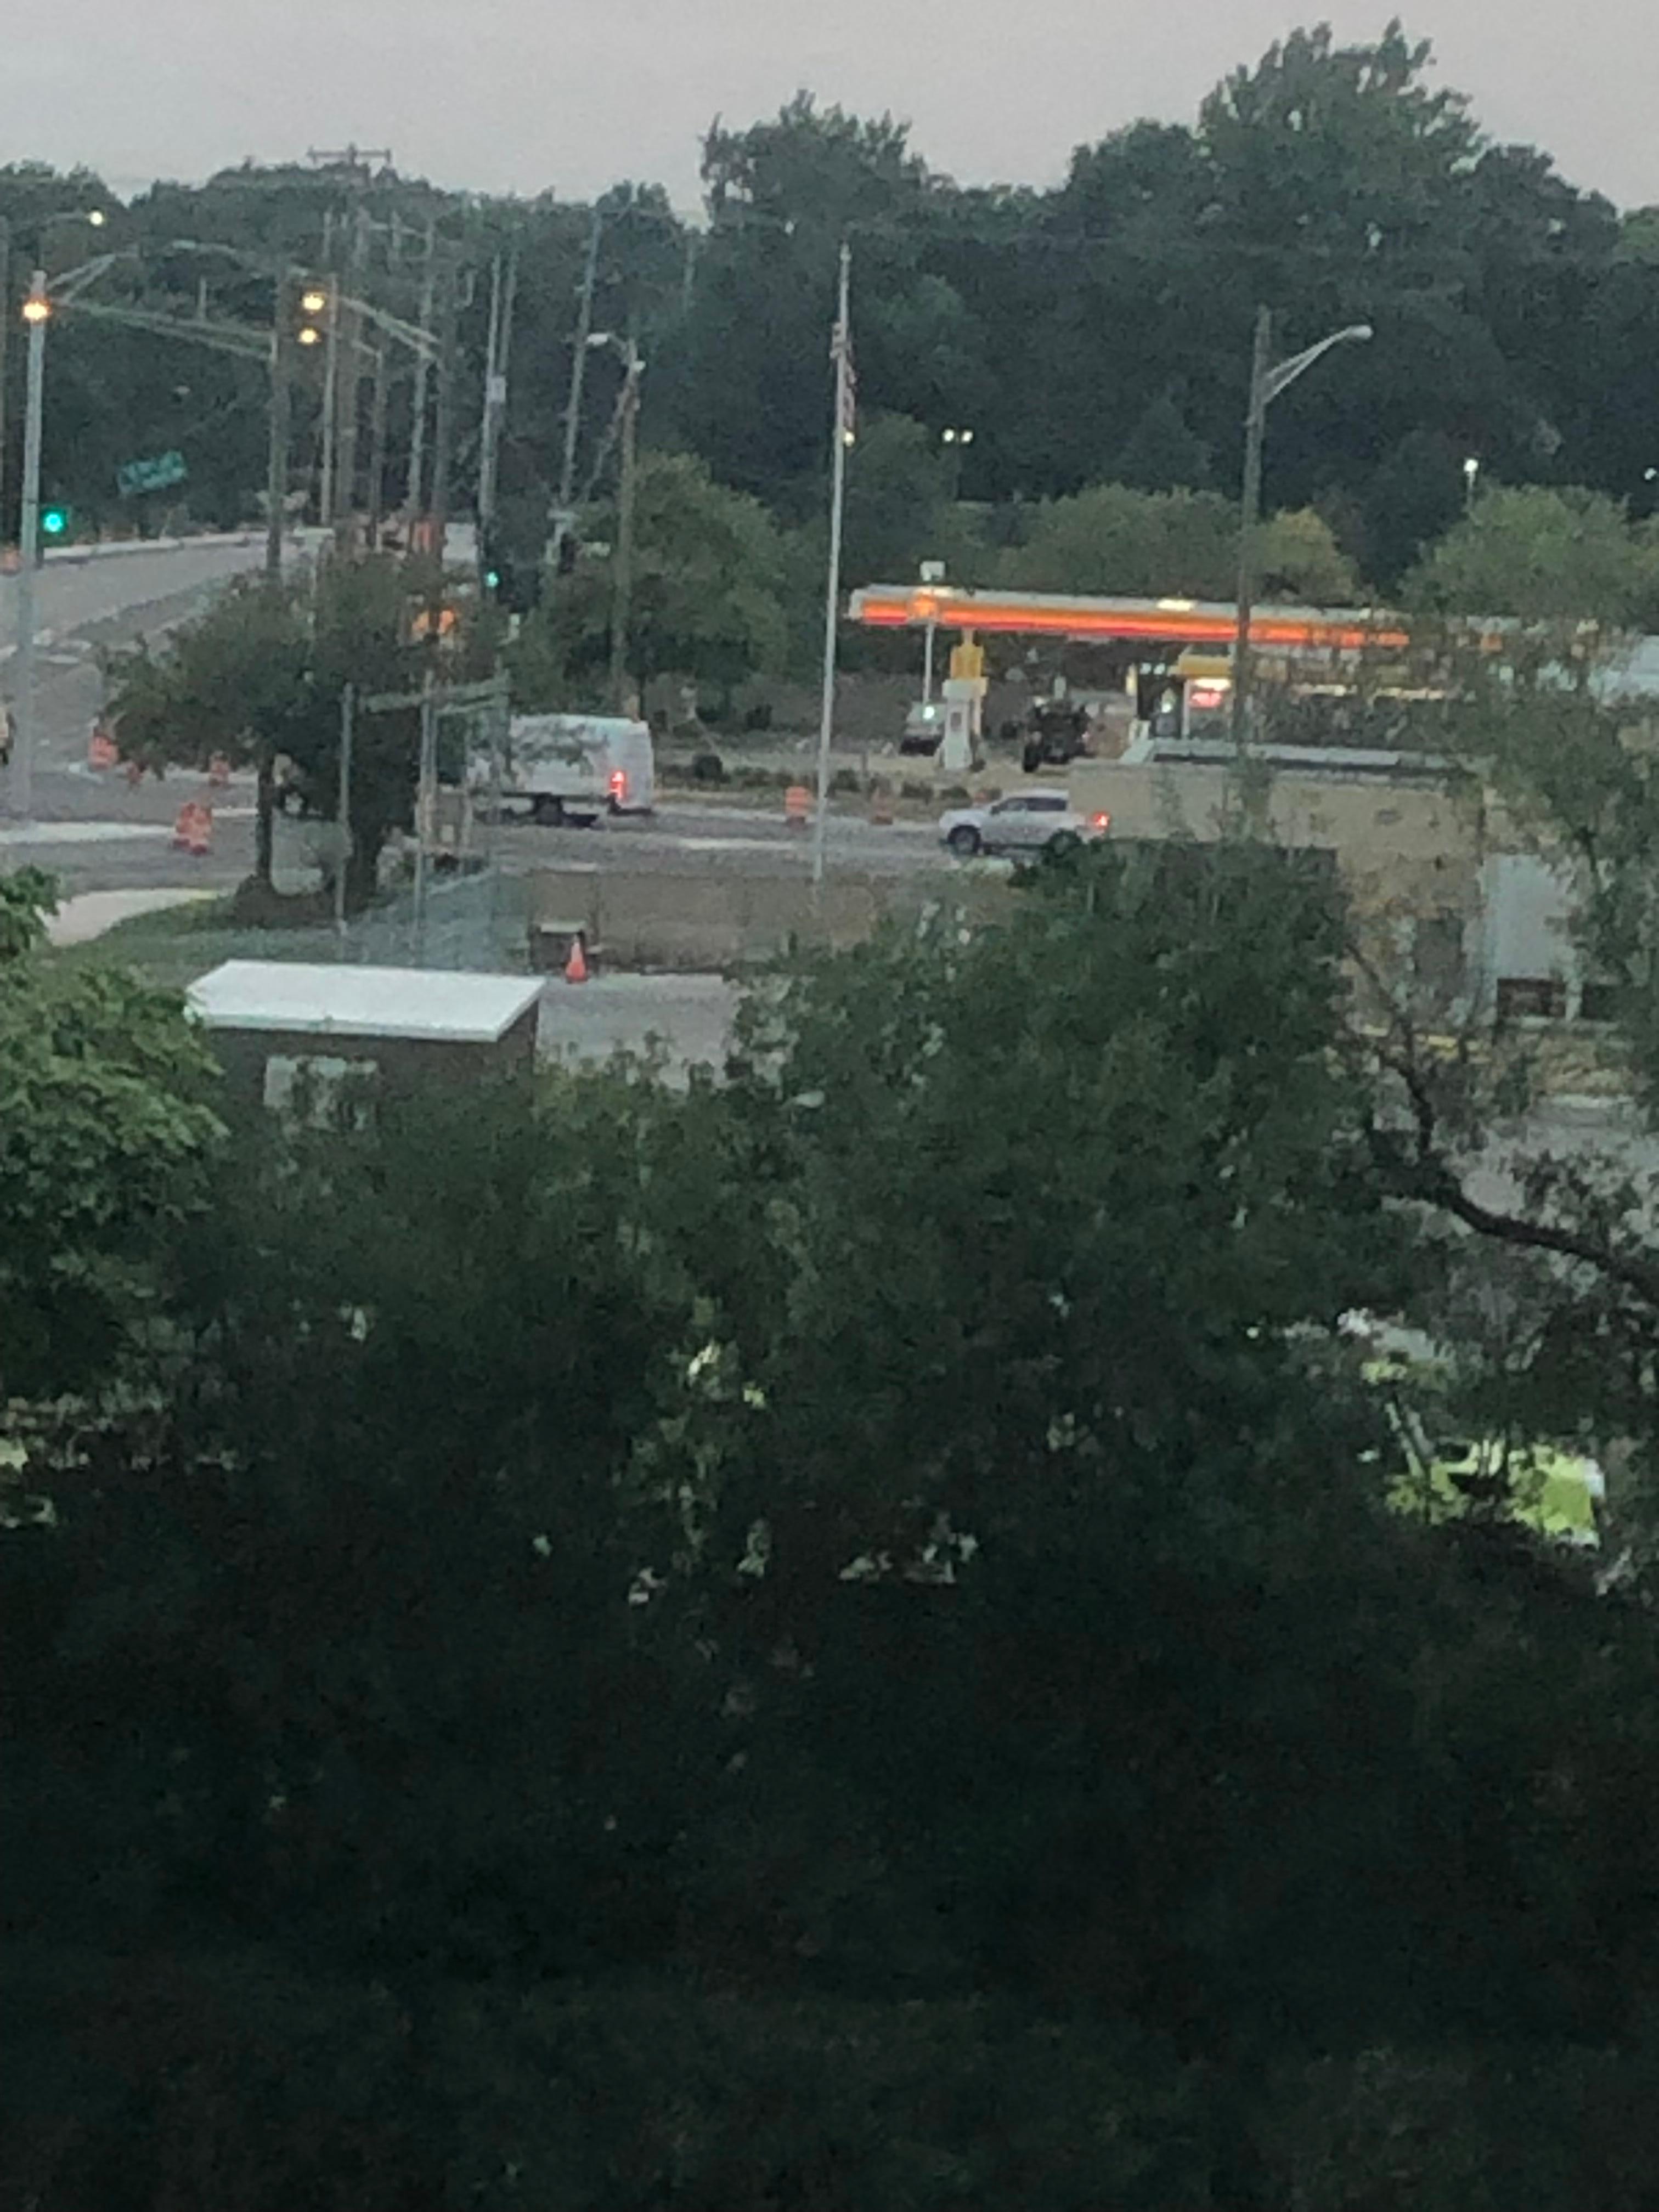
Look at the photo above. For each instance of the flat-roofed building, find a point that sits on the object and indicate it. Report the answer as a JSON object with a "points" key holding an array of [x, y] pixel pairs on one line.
{"points": [[276, 1022]]}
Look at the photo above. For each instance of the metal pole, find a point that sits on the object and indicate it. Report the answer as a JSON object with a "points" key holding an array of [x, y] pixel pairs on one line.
{"points": [[351, 367], [832, 591], [487, 421], [418, 422], [1255, 423], [5, 336], [444, 412], [28, 540], [342, 817], [276, 459], [622, 596], [377, 442], [927, 664], [331, 403], [423, 809], [578, 370], [502, 297], [496, 715]]}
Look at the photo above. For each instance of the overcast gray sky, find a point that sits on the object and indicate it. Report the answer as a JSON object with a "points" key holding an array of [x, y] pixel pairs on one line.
{"points": [[525, 95]]}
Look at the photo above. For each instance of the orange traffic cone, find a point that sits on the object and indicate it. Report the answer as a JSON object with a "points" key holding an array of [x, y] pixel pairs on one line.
{"points": [[576, 966], [201, 830], [796, 802], [184, 826]]}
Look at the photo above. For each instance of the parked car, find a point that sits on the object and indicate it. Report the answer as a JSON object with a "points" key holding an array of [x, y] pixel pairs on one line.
{"points": [[924, 726], [1029, 822]]}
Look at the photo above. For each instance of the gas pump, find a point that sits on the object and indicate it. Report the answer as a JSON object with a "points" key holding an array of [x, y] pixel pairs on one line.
{"points": [[964, 690]]}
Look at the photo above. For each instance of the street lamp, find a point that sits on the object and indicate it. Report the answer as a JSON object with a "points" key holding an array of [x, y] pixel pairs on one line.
{"points": [[932, 572], [1471, 477], [1268, 380], [36, 312]]}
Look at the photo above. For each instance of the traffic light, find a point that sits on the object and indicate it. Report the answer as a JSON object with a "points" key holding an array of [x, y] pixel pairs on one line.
{"points": [[315, 302], [512, 582], [54, 521]]}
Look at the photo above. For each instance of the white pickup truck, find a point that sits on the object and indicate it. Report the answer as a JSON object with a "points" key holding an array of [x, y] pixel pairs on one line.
{"points": [[572, 767]]}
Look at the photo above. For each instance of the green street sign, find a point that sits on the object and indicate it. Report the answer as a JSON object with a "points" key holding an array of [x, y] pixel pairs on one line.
{"points": [[157, 475]]}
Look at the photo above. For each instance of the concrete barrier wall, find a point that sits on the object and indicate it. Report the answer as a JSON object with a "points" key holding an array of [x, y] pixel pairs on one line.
{"points": [[1368, 819], [651, 918]]}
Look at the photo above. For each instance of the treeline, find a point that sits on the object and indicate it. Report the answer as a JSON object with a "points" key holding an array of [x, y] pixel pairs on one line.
{"points": [[844, 1637], [1096, 333]]}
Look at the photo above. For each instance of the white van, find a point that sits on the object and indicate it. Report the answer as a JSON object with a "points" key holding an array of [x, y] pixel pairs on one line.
{"points": [[572, 767]]}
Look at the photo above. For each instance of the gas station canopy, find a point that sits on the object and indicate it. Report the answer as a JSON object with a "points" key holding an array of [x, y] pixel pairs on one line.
{"points": [[1171, 622]]}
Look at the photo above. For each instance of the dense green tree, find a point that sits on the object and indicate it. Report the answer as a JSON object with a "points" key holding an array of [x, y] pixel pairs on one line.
{"points": [[259, 676], [106, 1130], [1544, 556], [1161, 453], [705, 597], [1332, 181], [600, 1659], [1112, 539]]}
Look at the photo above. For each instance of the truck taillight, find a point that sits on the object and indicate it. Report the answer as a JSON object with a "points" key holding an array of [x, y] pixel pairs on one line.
{"points": [[619, 783]]}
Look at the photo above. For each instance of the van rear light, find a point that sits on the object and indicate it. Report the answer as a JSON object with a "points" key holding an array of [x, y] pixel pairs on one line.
{"points": [[619, 783], [1100, 821]]}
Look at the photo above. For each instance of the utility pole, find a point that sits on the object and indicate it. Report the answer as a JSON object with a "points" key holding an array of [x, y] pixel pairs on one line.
{"points": [[377, 441], [623, 557], [276, 461], [342, 819], [36, 312], [1255, 425], [578, 370], [331, 377], [424, 808], [443, 425], [5, 335], [414, 487], [501, 296], [351, 369], [840, 346], [486, 506]]}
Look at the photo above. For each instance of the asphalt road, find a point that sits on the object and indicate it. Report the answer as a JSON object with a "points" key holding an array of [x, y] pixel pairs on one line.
{"points": [[73, 592], [96, 833]]}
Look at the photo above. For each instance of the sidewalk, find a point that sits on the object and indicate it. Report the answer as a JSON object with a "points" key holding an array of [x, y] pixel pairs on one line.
{"points": [[80, 920]]}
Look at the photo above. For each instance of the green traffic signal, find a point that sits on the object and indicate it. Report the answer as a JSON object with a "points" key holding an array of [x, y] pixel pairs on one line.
{"points": [[54, 521]]}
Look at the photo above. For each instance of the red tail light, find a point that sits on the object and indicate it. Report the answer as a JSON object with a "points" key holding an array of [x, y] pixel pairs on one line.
{"points": [[618, 783], [1100, 821]]}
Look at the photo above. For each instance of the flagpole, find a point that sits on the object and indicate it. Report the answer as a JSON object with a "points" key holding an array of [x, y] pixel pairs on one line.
{"points": [[832, 594]]}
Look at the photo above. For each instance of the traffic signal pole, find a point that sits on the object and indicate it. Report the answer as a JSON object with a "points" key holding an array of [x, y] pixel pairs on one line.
{"points": [[277, 458], [36, 312]]}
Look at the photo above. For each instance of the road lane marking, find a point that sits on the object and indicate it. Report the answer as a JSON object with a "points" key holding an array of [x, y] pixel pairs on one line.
{"points": [[80, 833]]}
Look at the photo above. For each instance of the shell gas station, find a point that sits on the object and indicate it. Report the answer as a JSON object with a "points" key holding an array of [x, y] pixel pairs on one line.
{"points": [[1162, 644]]}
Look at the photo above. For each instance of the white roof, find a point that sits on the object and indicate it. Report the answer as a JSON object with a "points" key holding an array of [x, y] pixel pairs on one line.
{"points": [[314, 1000]]}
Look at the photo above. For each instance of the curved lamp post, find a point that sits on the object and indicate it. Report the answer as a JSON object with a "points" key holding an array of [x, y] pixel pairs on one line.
{"points": [[1268, 380]]}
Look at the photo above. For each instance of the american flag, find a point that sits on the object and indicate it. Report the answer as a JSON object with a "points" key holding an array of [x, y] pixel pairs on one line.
{"points": [[847, 383]]}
